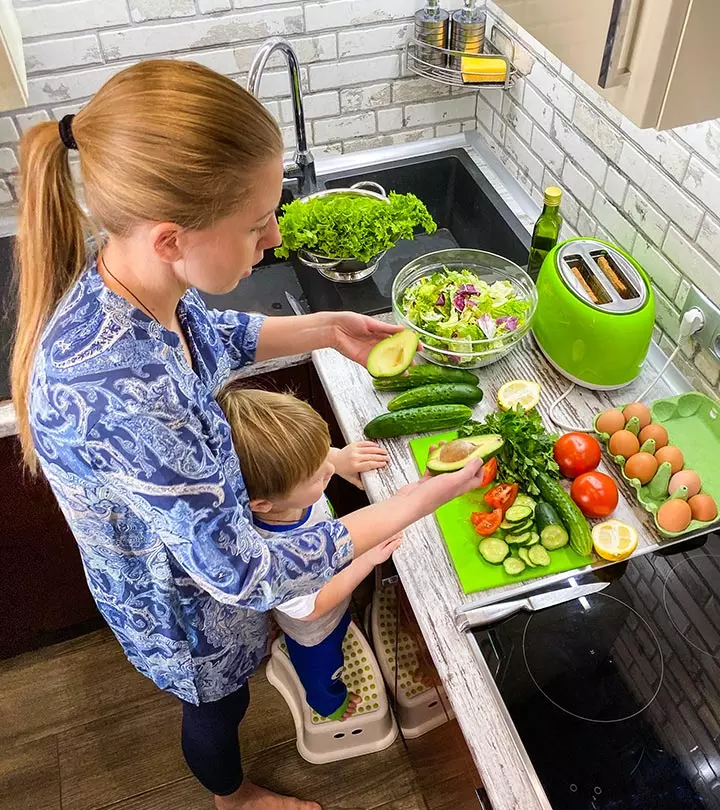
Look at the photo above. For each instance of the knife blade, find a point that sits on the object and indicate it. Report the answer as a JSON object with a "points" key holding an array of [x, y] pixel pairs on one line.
{"points": [[489, 614], [294, 304]]}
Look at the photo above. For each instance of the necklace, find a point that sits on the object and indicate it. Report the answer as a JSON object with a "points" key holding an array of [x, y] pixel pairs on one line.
{"points": [[128, 290]]}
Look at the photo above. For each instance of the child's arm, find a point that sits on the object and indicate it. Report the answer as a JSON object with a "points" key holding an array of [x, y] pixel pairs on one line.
{"points": [[343, 584]]}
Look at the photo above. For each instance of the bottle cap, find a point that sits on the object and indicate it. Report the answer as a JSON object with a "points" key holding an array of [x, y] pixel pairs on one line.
{"points": [[553, 195]]}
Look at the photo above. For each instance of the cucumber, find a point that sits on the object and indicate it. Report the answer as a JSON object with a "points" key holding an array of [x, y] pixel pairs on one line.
{"points": [[554, 537], [520, 539], [506, 526], [534, 539], [521, 528], [524, 500], [518, 514], [513, 566], [525, 557], [417, 420], [436, 394], [539, 556], [545, 515], [424, 375], [493, 550], [570, 514]]}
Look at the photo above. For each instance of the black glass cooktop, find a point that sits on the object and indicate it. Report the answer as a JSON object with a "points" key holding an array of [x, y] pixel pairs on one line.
{"points": [[616, 696]]}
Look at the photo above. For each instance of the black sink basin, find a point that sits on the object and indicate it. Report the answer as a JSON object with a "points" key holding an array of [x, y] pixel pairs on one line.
{"points": [[467, 209]]}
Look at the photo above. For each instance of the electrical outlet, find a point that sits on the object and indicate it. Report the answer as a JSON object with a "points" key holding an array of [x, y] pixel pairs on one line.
{"points": [[709, 336]]}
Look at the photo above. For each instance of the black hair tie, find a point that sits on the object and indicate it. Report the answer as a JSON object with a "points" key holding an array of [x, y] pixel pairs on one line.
{"points": [[66, 135]]}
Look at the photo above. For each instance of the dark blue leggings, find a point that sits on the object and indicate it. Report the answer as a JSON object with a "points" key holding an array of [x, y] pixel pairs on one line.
{"points": [[210, 741]]}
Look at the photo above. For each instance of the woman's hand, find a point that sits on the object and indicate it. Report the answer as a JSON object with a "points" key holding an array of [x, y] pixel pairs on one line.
{"points": [[358, 457], [353, 335]]}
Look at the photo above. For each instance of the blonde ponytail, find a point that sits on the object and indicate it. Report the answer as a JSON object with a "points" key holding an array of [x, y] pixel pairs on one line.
{"points": [[49, 254], [162, 141]]}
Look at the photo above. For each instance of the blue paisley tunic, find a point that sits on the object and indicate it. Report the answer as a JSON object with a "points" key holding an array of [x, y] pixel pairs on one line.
{"points": [[140, 458]]}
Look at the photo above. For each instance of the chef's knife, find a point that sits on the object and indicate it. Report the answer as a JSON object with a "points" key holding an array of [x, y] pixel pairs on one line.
{"points": [[489, 614], [294, 304]]}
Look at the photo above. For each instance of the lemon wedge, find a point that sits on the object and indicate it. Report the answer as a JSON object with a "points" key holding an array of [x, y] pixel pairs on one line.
{"points": [[519, 392], [614, 540]]}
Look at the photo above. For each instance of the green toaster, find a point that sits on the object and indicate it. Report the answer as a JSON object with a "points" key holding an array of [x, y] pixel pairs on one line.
{"points": [[595, 313]]}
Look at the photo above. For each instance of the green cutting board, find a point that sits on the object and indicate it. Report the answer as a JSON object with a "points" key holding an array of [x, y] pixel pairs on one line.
{"points": [[474, 573]]}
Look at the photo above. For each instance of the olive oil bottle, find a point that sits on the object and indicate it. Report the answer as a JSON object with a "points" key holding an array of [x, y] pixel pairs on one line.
{"points": [[546, 231]]}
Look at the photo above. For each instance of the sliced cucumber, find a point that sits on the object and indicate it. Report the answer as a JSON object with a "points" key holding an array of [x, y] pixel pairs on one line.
{"points": [[525, 557], [493, 550], [539, 556], [545, 515], [521, 539], [506, 526], [524, 500], [518, 514], [554, 537], [521, 528], [513, 566], [534, 540]]}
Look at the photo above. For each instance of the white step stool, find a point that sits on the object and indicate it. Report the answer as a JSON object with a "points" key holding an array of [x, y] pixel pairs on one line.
{"points": [[319, 740], [419, 708]]}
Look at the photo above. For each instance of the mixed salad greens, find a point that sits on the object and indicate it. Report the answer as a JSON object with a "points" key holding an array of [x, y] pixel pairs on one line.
{"points": [[351, 227], [460, 308]]}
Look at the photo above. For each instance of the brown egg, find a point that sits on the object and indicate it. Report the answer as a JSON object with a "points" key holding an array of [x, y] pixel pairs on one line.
{"points": [[641, 466], [637, 409], [686, 478], [610, 422], [656, 432], [674, 515], [624, 443], [703, 507], [671, 454]]}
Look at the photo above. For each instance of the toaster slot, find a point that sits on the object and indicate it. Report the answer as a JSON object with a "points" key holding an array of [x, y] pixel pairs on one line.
{"points": [[587, 280], [615, 275]]}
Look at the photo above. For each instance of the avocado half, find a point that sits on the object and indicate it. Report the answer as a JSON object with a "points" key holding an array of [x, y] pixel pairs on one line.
{"points": [[393, 355], [455, 454]]}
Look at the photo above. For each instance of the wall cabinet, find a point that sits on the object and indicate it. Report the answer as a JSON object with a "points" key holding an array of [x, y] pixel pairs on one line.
{"points": [[13, 80], [657, 61]]}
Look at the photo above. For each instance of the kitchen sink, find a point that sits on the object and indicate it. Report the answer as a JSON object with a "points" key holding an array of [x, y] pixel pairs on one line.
{"points": [[467, 209]]}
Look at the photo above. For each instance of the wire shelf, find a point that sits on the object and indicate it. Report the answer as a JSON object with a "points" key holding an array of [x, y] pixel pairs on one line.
{"points": [[422, 58]]}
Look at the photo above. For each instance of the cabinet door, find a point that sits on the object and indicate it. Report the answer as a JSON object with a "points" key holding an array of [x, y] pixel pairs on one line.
{"points": [[625, 49]]}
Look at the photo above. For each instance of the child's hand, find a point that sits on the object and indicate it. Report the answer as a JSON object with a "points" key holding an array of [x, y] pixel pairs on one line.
{"points": [[356, 458], [383, 551]]}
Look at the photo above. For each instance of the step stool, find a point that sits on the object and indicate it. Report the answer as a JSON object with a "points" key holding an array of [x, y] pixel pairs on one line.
{"points": [[319, 740], [419, 708]]}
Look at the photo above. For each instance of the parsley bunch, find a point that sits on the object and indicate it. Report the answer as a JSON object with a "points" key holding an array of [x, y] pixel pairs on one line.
{"points": [[349, 227], [527, 450]]}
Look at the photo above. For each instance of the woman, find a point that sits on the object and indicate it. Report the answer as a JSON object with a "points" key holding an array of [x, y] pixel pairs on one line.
{"points": [[114, 371]]}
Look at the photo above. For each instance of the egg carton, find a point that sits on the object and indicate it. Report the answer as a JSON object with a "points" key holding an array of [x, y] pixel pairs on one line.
{"points": [[692, 421], [319, 739], [419, 708]]}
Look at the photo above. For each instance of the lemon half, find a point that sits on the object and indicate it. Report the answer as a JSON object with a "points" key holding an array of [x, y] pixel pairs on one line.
{"points": [[614, 540], [519, 392]]}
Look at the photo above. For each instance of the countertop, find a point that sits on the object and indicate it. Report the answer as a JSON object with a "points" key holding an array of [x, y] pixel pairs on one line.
{"points": [[426, 571]]}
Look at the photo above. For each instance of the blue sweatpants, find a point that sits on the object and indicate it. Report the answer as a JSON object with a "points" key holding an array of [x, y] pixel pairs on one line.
{"points": [[320, 669]]}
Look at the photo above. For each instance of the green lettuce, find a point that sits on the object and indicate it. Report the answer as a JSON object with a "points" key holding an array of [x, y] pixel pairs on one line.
{"points": [[349, 227]]}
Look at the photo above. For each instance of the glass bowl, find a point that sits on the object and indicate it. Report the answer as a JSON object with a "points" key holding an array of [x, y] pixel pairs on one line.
{"points": [[488, 267]]}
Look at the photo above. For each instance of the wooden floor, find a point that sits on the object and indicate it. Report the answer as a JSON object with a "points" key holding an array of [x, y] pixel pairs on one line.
{"points": [[81, 730]]}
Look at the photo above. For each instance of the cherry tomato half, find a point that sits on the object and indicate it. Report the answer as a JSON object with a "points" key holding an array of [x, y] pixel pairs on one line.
{"points": [[489, 471], [501, 496], [487, 523], [576, 453], [595, 493]]}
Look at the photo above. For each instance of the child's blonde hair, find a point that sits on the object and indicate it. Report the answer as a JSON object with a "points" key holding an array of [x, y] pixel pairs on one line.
{"points": [[162, 141], [280, 440]]}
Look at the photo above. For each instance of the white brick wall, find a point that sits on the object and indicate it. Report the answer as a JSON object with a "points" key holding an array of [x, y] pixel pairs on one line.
{"points": [[350, 50], [657, 194]]}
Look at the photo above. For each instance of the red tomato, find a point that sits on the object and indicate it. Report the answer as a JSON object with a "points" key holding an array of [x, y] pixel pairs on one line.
{"points": [[576, 453], [487, 523], [502, 496], [489, 471], [595, 493]]}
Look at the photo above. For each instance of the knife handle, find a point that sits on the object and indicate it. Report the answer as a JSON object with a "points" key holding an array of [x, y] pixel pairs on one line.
{"points": [[488, 614]]}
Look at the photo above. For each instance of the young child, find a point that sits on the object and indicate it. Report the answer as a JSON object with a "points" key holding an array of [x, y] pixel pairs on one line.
{"points": [[287, 461]]}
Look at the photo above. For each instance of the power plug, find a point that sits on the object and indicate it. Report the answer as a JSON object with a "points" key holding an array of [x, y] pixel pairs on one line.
{"points": [[708, 333], [693, 321]]}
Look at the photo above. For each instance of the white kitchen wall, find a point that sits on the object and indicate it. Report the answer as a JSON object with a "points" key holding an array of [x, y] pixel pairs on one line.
{"points": [[656, 194], [357, 96]]}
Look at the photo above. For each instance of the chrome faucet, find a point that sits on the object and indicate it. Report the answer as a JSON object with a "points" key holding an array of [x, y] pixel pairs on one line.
{"points": [[302, 166]]}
